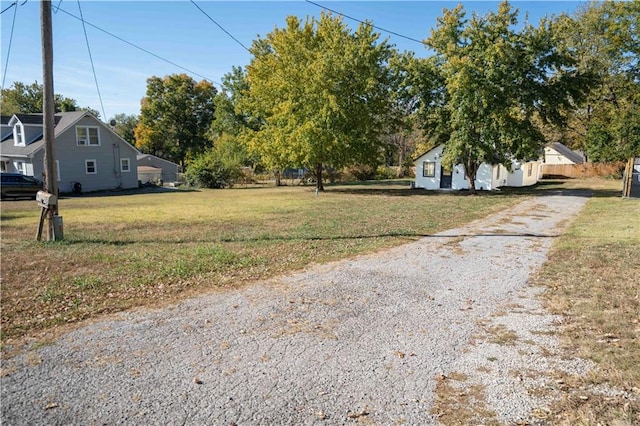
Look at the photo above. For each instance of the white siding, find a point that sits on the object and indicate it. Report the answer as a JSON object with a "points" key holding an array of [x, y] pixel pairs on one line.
{"points": [[488, 177], [551, 156]]}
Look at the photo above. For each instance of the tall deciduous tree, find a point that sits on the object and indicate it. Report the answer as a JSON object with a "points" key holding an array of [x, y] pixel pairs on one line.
{"points": [[605, 39], [175, 116], [497, 80], [321, 92], [27, 99]]}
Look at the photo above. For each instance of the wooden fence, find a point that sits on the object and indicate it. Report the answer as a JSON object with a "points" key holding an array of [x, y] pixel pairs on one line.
{"points": [[582, 170]]}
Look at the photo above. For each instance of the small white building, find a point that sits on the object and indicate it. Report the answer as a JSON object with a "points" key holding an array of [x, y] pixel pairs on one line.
{"points": [[431, 174], [557, 153]]}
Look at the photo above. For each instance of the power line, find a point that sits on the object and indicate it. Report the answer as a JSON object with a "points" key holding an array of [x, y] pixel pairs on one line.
{"points": [[13, 24], [140, 48], [15, 3], [366, 22], [220, 26], [93, 68]]}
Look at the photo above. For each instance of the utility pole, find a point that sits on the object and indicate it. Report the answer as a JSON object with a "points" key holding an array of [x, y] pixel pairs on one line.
{"points": [[52, 222]]}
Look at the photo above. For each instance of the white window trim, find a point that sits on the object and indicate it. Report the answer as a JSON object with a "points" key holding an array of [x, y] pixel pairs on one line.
{"points": [[95, 167], [19, 165], [128, 162], [424, 169], [87, 142], [18, 135]]}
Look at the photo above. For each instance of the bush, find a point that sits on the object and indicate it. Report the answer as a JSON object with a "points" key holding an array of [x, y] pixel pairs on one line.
{"points": [[361, 172], [207, 171], [386, 172]]}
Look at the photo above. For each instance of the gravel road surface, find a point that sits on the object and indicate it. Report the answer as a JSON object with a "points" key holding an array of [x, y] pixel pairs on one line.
{"points": [[360, 340]]}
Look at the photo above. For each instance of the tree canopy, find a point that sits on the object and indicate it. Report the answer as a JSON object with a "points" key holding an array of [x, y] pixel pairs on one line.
{"points": [[23, 98], [604, 37], [320, 93], [496, 82], [175, 116], [125, 127]]}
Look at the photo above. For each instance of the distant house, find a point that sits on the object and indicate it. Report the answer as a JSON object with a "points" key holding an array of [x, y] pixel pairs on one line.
{"points": [[154, 169], [89, 155], [431, 174], [557, 153]]}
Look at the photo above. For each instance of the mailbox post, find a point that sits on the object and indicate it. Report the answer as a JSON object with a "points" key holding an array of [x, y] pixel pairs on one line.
{"points": [[49, 202]]}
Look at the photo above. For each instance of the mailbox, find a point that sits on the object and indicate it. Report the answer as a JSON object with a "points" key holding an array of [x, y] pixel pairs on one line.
{"points": [[46, 200]]}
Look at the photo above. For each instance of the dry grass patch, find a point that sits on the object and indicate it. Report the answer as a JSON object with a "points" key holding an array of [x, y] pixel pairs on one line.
{"points": [[152, 248], [460, 403], [592, 280]]}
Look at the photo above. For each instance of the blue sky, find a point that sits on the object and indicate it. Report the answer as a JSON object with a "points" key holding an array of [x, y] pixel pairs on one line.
{"points": [[178, 32]]}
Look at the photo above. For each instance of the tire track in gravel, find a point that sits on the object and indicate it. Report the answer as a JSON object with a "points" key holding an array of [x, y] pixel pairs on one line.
{"points": [[360, 340]]}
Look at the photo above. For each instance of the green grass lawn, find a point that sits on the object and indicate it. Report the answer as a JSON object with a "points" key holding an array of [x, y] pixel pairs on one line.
{"points": [[593, 277], [122, 251]]}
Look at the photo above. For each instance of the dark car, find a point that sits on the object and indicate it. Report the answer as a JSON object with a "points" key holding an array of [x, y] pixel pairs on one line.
{"points": [[16, 185]]}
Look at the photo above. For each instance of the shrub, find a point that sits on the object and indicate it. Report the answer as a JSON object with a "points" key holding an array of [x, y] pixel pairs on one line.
{"points": [[208, 171]]}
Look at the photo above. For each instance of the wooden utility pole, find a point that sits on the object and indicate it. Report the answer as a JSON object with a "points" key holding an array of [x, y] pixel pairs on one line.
{"points": [[53, 222]]}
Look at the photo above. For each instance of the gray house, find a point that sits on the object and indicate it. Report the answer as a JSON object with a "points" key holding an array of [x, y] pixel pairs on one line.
{"points": [[89, 155]]}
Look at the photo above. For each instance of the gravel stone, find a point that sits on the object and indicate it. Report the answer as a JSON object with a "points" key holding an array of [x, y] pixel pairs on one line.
{"points": [[362, 339]]}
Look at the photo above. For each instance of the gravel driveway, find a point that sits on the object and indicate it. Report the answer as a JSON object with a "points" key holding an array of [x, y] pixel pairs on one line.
{"points": [[365, 339]]}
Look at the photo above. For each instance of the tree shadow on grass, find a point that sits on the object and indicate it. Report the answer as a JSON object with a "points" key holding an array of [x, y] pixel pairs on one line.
{"points": [[284, 238], [540, 189]]}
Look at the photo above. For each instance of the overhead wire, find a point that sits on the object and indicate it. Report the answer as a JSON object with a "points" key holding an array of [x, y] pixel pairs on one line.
{"points": [[13, 25], [15, 3], [366, 22], [93, 68], [220, 26], [141, 48]]}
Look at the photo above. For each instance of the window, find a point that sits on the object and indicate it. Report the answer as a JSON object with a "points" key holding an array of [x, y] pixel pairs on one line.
{"points": [[87, 136], [91, 167], [498, 172], [529, 169], [18, 135], [428, 169], [125, 165], [19, 167]]}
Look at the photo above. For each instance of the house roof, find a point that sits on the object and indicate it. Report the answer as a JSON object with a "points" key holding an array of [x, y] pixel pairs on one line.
{"points": [[149, 157], [426, 152], [567, 152], [63, 121], [4, 119]]}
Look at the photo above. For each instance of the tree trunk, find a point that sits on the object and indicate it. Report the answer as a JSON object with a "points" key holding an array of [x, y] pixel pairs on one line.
{"points": [[277, 176], [319, 185], [471, 169]]}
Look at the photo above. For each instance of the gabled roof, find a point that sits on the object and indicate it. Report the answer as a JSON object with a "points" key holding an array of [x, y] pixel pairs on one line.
{"points": [[567, 153], [428, 151], [4, 119], [63, 121]]}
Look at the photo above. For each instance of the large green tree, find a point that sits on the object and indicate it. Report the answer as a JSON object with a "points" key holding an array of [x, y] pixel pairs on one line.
{"points": [[175, 117], [497, 81], [27, 99], [604, 37], [321, 93]]}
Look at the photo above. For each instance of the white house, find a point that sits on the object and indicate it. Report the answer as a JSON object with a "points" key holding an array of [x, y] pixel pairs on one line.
{"points": [[431, 174], [557, 153], [89, 155]]}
